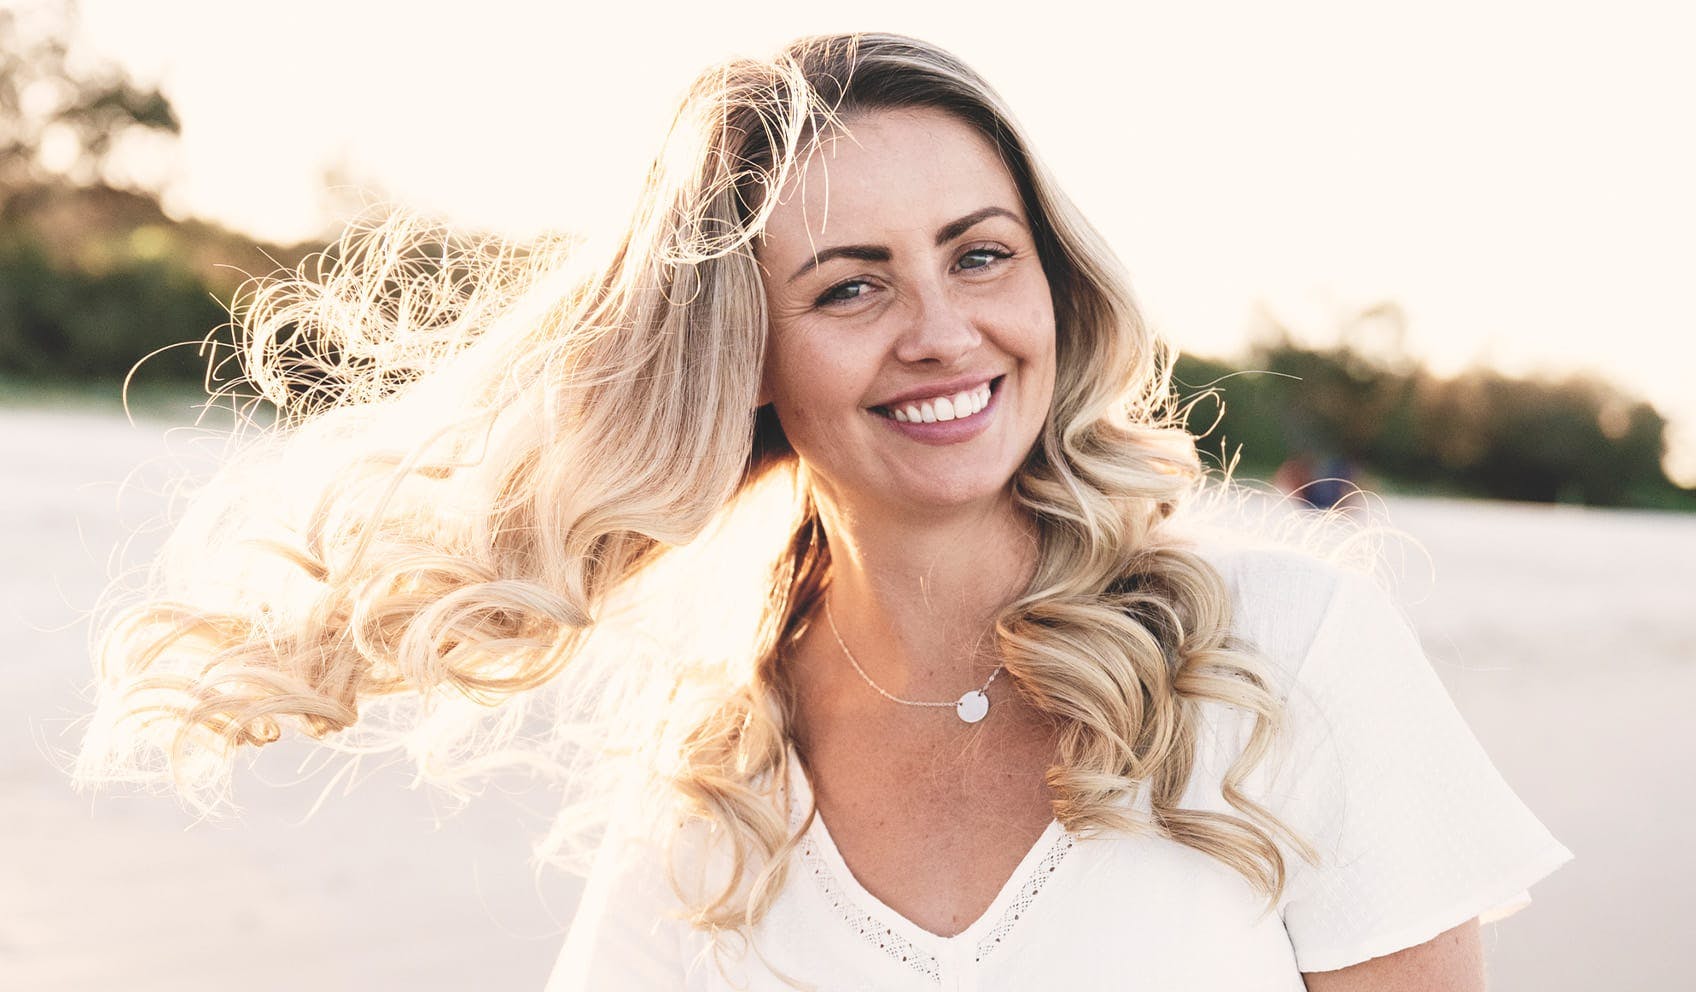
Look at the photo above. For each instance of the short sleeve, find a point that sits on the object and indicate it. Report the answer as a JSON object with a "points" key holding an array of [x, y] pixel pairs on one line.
{"points": [[625, 934], [1416, 830]]}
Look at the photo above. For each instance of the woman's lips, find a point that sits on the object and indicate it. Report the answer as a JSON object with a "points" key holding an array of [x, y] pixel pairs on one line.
{"points": [[929, 409], [947, 431]]}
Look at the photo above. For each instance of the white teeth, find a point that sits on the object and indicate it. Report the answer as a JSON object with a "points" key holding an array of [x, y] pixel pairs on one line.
{"points": [[959, 406]]}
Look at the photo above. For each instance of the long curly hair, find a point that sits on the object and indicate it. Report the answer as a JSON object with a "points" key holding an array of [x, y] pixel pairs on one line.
{"points": [[486, 459]]}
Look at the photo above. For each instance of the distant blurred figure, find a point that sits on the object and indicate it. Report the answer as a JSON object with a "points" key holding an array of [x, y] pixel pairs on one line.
{"points": [[1295, 475], [1321, 485], [1335, 483]]}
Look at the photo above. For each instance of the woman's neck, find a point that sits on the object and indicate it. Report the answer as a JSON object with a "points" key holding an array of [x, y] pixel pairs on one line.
{"points": [[914, 599]]}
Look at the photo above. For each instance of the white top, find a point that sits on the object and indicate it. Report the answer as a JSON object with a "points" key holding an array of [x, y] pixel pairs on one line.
{"points": [[1417, 830]]}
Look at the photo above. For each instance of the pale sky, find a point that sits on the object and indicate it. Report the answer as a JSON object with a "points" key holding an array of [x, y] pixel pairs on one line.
{"points": [[1516, 175]]}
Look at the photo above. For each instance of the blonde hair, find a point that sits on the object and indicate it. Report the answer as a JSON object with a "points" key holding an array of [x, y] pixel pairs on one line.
{"points": [[483, 456]]}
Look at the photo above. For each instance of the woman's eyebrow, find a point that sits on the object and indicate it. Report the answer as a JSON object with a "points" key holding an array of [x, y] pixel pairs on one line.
{"points": [[953, 229], [866, 253], [878, 253]]}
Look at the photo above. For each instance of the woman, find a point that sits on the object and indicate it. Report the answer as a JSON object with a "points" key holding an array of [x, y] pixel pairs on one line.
{"points": [[1063, 735]]}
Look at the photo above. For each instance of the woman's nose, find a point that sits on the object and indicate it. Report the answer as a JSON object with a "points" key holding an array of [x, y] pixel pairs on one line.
{"points": [[938, 327]]}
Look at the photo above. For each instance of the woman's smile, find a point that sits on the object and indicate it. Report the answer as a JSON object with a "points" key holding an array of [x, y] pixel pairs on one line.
{"points": [[944, 419], [903, 283]]}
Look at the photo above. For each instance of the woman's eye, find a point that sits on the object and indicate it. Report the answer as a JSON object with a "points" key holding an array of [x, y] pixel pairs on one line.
{"points": [[979, 258], [845, 292]]}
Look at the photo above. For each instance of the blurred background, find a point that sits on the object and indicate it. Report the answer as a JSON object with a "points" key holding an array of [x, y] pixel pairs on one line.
{"points": [[1441, 252]]}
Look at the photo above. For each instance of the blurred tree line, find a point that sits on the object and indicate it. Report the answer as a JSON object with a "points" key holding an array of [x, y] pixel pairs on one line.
{"points": [[1365, 402], [94, 275]]}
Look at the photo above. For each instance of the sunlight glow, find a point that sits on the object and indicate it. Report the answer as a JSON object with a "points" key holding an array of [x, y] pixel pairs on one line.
{"points": [[1509, 172]]}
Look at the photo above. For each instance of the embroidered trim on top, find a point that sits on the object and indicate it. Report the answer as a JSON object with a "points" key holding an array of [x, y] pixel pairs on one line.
{"points": [[891, 943], [1027, 894]]}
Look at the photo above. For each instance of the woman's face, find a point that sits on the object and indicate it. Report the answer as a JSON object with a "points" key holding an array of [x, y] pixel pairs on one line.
{"points": [[903, 284]]}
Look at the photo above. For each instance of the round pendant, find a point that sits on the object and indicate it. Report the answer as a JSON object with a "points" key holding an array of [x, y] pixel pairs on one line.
{"points": [[972, 706]]}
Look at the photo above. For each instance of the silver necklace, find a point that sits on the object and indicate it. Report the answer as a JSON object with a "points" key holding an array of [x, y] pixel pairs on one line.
{"points": [[971, 707]]}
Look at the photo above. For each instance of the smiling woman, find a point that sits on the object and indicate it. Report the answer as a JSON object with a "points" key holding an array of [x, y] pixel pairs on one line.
{"points": [[1065, 732], [902, 276]]}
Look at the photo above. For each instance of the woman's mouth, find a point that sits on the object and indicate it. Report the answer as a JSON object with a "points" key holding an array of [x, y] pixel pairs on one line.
{"points": [[963, 405], [943, 420]]}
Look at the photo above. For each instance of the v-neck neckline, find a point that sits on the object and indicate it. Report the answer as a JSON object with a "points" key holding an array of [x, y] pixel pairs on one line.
{"points": [[990, 926]]}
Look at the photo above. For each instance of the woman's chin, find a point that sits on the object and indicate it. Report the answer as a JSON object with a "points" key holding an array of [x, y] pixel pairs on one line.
{"points": [[938, 494]]}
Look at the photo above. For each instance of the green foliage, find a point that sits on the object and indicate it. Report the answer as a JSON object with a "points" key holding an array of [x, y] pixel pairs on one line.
{"points": [[1482, 433], [1240, 413], [93, 277], [59, 322]]}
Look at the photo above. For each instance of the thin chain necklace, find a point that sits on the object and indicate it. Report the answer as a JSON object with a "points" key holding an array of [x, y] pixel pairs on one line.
{"points": [[971, 707]]}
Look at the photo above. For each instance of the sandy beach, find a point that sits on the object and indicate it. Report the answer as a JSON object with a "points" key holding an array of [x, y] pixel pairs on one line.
{"points": [[1564, 635]]}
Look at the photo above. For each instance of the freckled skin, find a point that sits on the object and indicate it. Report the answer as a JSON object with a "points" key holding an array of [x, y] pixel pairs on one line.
{"points": [[927, 312]]}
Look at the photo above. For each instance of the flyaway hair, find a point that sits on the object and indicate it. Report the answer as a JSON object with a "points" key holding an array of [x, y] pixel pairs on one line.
{"points": [[509, 493]]}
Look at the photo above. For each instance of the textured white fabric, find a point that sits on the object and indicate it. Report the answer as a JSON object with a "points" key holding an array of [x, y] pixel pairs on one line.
{"points": [[1417, 832]]}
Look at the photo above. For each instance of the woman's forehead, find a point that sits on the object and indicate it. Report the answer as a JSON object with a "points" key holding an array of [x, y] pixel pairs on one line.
{"points": [[885, 171]]}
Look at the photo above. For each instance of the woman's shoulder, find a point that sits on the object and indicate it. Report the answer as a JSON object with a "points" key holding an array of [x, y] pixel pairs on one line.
{"points": [[1279, 596], [1280, 573]]}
